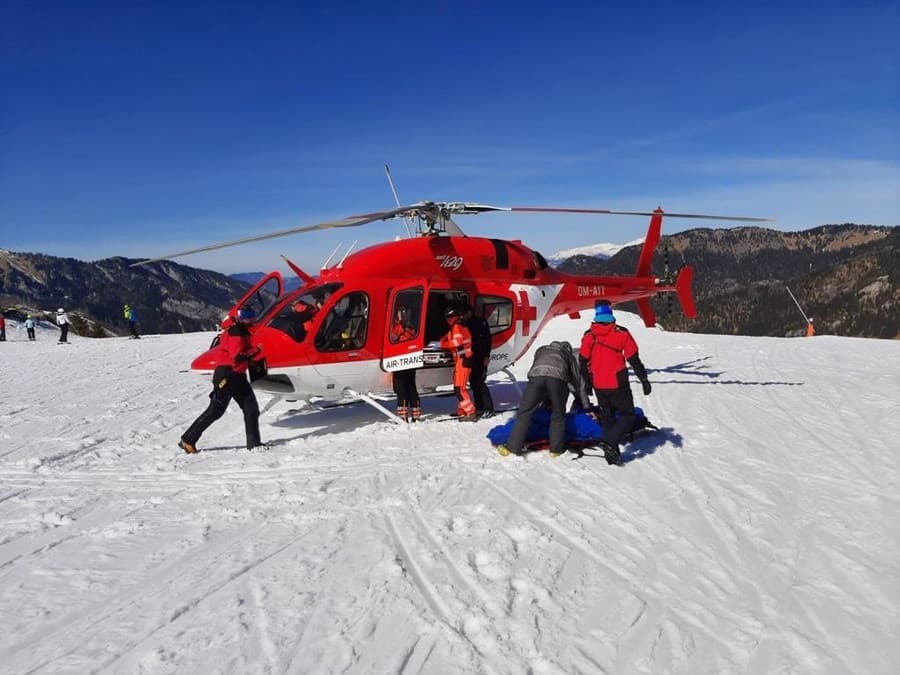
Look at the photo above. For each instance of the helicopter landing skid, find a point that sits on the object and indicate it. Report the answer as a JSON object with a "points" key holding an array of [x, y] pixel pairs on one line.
{"points": [[375, 404]]}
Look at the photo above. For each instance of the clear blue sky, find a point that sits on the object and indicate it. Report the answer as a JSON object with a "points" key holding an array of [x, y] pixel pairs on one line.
{"points": [[140, 128]]}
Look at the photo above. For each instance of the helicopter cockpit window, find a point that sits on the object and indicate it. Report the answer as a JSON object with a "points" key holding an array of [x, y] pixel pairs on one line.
{"points": [[345, 326], [496, 311], [297, 315], [540, 261], [405, 315]]}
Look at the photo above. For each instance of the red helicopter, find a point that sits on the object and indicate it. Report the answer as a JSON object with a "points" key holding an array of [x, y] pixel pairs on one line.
{"points": [[330, 339]]}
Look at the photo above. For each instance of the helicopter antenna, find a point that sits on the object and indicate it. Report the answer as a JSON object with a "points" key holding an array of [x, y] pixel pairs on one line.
{"points": [[406, 221], [349, 250], [325, 266]]}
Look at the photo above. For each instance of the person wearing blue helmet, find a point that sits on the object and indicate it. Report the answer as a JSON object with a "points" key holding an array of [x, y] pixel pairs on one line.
{"points": [[232, 355]]}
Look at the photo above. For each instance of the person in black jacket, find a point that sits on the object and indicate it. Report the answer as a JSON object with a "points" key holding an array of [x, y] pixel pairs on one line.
{"points": [[554, 369], [478, 362]]}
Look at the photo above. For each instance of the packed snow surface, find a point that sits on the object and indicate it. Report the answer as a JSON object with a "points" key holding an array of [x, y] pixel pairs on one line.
{"points": [[756, 532]]}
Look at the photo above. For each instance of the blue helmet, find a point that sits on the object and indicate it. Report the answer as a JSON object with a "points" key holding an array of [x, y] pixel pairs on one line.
{"points": [[603, 312], [246, 314]]}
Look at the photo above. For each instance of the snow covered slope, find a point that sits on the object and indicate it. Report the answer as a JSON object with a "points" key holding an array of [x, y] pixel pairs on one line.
{"points": [[757, 532], [595, 250]]}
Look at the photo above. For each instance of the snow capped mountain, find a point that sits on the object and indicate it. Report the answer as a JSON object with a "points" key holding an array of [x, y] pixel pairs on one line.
{"points": [[594, 250], [755, 532]]}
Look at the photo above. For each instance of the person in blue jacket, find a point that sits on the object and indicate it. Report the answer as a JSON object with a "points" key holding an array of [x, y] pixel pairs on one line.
{"points": [[131, 318]]}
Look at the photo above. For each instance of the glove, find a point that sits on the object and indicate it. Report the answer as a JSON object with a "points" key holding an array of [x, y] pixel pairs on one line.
{"points": [[646, 385]]}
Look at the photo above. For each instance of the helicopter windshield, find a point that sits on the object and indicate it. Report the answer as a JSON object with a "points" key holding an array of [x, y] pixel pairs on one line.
{"points": [[300, 309]]}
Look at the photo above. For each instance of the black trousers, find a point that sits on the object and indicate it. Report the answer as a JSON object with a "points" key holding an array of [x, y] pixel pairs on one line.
{"points": [[405, 388], [30, 333], [542, 389], [610, 402], [132, 326], [481, 395], [64, 334], [228, 385]]}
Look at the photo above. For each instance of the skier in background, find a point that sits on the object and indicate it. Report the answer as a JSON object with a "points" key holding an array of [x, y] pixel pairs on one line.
{"points": [[810, 328], [62, 320], [131, 318], [2, 328], [29, 326]]}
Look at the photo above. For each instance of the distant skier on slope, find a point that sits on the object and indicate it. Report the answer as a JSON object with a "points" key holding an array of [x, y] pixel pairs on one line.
{"points": [[132, 319], [62, 320]]}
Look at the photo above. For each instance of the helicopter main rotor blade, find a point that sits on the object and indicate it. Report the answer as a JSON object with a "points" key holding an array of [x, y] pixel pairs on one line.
{"points": [[550, 209], [351, 221]]}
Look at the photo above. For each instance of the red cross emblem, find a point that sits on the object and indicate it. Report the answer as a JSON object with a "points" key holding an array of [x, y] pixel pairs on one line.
{"points": [[526, 313]]}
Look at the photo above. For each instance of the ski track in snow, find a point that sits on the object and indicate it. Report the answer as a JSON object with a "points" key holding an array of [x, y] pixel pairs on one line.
{"points": [[754, 533]]}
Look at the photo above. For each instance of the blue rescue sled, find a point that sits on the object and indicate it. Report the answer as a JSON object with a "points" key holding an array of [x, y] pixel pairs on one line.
{"points": [[582, 431]]}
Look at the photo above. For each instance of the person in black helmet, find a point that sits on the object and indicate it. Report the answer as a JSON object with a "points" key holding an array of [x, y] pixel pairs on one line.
{"points": [[459, 341], [233, 355]]}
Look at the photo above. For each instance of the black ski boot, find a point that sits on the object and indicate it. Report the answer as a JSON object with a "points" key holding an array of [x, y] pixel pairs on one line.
{"points": [[611, 453]]}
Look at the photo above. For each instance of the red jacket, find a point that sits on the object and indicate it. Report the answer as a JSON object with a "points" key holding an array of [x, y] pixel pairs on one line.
{"points": [[606, 347], [234, 349], [401, 332]]}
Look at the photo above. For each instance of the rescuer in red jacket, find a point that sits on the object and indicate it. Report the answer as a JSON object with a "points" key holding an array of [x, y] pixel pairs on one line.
{"points": [[604, 349], [404, 381], [233, 355]]}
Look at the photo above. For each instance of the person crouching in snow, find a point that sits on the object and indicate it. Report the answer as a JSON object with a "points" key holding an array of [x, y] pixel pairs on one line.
{"points": [[605, 348], [232, 355], [554, 371], [459, 340]]}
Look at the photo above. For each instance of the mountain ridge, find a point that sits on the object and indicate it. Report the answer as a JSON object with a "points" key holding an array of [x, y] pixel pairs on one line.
{"points": [[845, 277]]}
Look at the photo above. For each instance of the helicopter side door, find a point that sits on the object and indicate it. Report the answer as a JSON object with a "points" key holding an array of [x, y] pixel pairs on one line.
{"points": [[404, 339], [262, 296]]}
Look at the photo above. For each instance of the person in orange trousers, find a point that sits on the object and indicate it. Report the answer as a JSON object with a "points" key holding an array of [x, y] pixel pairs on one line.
{"points": [[459, 340]]}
